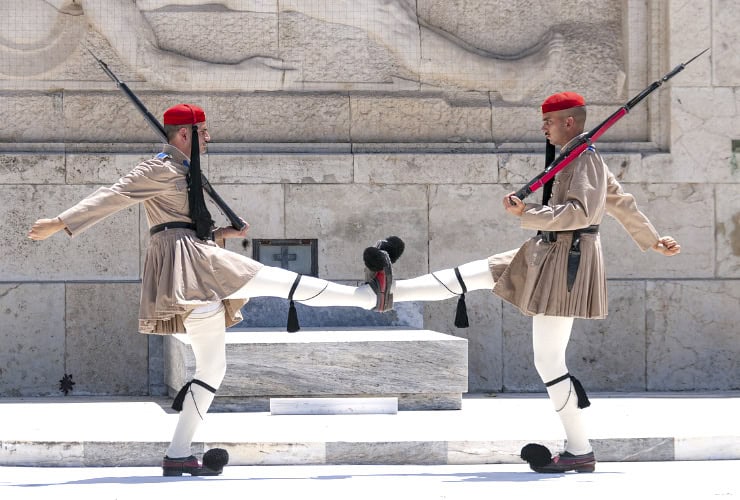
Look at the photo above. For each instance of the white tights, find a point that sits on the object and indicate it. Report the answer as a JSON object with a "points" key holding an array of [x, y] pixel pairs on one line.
{"points": [[207, 334], [277, 282], [206, 329], [476, 275], [550, 336]]}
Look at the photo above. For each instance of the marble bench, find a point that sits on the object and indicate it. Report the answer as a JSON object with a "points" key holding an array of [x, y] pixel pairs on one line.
{"points": [[424, 369]]}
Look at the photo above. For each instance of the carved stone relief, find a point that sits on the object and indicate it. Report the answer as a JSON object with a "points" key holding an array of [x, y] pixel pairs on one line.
{"points": [[516, 50]]}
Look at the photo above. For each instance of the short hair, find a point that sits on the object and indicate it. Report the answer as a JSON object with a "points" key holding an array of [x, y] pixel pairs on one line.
{"points": [[578, 113], [172, 130]]}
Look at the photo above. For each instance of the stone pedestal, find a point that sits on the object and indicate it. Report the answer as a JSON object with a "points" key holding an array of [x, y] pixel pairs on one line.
{"points": [[425, 370]]}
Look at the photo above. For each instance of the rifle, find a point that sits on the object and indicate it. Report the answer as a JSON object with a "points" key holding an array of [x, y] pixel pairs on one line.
{"points": [[585, 140], [157, 127]]}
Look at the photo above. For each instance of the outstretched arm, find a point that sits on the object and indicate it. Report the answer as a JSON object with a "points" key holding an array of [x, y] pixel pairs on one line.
{"points": [[44, 228]]}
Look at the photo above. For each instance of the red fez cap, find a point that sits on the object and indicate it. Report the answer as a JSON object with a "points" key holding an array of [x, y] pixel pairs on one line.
{"points": [[184, 114], [562, 100]]}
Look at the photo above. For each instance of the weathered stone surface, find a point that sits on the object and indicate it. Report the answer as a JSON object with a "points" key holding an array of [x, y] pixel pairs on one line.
{"points": [[425, 168], [239, 35], [634, 449], [18, 168], [274, 453], [105, 352], [704, 121], [388, 453], [359, 362], [498, 30], [325, 52], [108, 250], [485, 356], [440, 117], [604, 354], [728, 231], [22, 109], [280, 168], [690, 31], [468, 222], [724, 22], [679, 210], [261, 205], [348, 219], [279, 118], [102, 168], [40, 454], [31, 339], [692, 335]]}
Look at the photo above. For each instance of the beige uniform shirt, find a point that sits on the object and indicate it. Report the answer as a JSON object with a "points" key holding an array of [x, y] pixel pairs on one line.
{"points": [[181, 272], [534, 277]]}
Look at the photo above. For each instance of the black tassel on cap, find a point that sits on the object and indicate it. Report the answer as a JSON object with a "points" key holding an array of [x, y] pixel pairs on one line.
{"points": [[583, 401], [199, 213], [461, 316], [293, 325]]}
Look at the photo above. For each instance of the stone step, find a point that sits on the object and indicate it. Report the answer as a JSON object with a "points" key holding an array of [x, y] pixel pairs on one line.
{"points": [[424, 369], [79, 431]]}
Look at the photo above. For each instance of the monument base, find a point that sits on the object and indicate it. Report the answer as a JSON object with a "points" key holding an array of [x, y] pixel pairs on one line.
{"points": [[425, 370]]}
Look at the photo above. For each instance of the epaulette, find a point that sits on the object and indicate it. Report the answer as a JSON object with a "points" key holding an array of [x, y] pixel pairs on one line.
{"points": [[163, 156], [591, 148]]}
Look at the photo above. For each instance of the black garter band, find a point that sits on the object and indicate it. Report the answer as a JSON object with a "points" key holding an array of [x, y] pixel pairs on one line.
{"points": [[180, 398], [583, 401]]}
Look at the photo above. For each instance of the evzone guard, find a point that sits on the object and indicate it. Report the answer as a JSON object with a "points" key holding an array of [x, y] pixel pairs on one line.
{"points": [[191, 284], [555, 276]]}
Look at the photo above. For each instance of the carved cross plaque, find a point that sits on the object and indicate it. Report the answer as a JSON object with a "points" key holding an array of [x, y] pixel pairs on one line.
{"points": [[298, 255]]}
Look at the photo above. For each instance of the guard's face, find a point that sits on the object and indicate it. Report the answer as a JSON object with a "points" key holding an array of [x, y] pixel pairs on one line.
{"points": [[203, 137], [556, 127]]}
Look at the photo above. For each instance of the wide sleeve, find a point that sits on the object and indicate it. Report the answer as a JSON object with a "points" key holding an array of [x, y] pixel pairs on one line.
{"points": [[145, 181], [582, 203], [623, 207]]}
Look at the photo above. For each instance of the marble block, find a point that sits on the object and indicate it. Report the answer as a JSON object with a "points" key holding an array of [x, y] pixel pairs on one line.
{"points": [[424, 369]]}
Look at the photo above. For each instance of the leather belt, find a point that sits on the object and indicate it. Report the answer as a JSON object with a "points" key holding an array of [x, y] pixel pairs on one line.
{"points": [[170, 225], [574, 253]]}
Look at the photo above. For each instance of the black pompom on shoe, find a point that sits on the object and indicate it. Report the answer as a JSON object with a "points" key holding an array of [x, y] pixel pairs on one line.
{"points": [[215, 459], [374, 258], [536, 455], [393, 245]]}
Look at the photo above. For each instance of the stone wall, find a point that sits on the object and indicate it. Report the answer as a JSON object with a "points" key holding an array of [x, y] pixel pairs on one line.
{"points": [[349, 121]]}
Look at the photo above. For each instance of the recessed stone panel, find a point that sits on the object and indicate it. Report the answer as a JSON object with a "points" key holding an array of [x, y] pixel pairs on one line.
{"points": [[724, 23], [426, 168], [19, 168], [442, 117], [105, 352], [690, 31], [605, 355], [101, 168], [704, 122], [728, 230], [692, 335], [678, 210], [346, 220], [108, 250], [468, 222], [281, 168], [31, 339], [485, 356], [23, 110]]}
